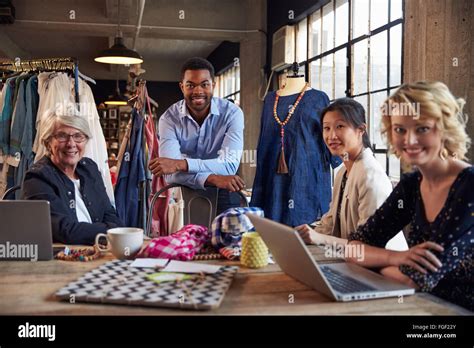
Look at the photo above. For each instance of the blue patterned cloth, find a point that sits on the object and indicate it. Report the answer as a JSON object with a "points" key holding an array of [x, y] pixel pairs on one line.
{"points": [[228, 227], [128, 198], [303, 195]]}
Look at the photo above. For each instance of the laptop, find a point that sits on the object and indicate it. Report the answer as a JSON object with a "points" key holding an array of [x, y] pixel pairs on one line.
{"points": [[25, 231], [340, 281]]}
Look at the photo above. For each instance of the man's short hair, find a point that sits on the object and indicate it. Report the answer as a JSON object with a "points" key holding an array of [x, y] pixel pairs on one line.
{"points": [[197, 63]]}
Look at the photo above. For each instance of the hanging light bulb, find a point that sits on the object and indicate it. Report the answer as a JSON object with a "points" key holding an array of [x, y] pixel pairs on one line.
{"points": [[119, 53], [117, 98]]}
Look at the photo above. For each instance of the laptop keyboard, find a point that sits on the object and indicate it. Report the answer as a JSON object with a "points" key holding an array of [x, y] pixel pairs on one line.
{"points": [[343, 283]]}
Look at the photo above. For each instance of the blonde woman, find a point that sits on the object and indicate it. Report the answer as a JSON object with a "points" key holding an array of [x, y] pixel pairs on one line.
{"points": [[424, 126]]}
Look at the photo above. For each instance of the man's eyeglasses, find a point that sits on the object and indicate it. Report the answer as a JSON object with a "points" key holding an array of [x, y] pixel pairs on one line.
{"points": [[190, 86], [64, 137]]}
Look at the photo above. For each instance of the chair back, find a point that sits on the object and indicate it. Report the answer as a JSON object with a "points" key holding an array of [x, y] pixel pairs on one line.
{"points": [[200, 206], [10, 193]]}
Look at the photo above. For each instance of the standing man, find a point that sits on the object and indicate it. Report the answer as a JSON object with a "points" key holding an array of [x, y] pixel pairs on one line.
{"points": [[201, 136]]}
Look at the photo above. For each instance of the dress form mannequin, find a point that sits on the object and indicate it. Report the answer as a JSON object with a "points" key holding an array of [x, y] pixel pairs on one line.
{"points": [[294, 83], [301, 193]]}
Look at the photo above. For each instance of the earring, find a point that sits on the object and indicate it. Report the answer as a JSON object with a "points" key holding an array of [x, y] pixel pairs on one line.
{"points": [[443, 154], [395, 152]]}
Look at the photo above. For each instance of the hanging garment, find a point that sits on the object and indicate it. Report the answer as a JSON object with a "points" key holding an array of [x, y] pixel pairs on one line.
{"points": [[124, 144], [2, 96], [302, 196], [16, 132], [54, 94], [131, 176], [159, 221], [29, 130], [96, 147], [6, 115], [19, 110], [18, 121], [5, 124], [16, 129]]}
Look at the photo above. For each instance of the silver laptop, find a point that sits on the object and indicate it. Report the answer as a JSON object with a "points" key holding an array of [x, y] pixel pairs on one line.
{"points": [[341, 281], [25, 231]]}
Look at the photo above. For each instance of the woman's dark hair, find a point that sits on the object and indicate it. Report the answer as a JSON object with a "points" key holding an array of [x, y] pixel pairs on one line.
{"points": [[197, 63], [353, 112]]}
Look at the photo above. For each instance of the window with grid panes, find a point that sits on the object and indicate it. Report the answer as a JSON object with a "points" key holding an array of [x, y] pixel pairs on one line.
{"points": [[354, 49], [228, 84]]}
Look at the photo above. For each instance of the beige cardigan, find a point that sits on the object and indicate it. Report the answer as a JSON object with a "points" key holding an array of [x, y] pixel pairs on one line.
{"points": [[367, 187]]}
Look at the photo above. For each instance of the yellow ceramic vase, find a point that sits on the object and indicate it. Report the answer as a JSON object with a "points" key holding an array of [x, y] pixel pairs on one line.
{"points": [[254, 251]]}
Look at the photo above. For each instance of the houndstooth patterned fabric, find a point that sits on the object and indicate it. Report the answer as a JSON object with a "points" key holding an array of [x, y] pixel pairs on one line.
{"points": [[115, 282]]}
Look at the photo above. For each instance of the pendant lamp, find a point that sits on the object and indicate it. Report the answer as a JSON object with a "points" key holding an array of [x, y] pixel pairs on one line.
{"points": [[119, 53], [117, 98]]}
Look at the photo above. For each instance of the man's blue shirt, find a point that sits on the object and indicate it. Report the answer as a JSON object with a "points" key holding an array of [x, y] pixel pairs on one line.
{"points": [[215, 147]]}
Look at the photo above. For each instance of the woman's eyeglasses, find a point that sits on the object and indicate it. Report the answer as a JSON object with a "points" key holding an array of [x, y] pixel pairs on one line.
{"points": [[64, 137]]}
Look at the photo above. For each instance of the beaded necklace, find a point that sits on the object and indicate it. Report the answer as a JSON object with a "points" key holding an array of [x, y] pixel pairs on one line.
{"points": [[80, 254], [282, 166]]}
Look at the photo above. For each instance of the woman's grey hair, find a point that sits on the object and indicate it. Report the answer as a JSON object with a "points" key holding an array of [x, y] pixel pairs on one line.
{"points": [[51, 120]]}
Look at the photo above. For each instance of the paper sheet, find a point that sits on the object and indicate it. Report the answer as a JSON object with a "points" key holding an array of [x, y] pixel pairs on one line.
{"points": [[149, 263], [190, 267]]}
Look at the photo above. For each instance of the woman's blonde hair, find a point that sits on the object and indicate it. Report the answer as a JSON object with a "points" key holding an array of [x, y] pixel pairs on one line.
{"points": [[51, 120], [424, 99]]}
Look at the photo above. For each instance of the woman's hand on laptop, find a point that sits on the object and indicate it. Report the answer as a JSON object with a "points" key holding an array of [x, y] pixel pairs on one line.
{"points": [[418, 257], [309, 235]]}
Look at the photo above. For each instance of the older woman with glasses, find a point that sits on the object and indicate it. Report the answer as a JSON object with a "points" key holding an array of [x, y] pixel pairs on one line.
{"points": [[80, 207]]}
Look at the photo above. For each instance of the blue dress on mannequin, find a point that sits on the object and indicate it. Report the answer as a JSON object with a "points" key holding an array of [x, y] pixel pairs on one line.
{"points": [[303, 195]]}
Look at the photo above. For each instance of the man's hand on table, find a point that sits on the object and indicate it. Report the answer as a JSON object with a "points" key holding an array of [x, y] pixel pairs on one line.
{"points": [[162, 166], [231, 183]]}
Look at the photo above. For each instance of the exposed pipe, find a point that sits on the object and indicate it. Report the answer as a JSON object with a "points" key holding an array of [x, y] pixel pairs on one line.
{"points": [[139, 23], [130, 26]]}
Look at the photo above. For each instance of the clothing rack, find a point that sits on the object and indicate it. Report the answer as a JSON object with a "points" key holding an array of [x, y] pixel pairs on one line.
{"points": [[46, 64], [40, 64], [140, 96]]}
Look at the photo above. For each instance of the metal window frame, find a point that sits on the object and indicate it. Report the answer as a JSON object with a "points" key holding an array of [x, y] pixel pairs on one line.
{"points": [[348, 46], [232, 71]]}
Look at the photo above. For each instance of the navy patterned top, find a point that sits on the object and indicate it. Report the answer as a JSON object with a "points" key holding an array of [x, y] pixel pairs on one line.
{"points": [[452, 229], [303, 195]]}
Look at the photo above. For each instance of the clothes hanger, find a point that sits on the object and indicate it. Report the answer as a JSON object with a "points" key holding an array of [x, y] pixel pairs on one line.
{"points": [[85, 77], [295, 68]]}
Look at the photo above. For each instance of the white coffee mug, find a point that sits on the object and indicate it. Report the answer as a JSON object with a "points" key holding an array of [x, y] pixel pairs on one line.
{"points": [[123, 242]]}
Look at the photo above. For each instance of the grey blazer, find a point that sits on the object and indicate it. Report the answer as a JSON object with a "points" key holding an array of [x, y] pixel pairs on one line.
{"points": [[366, 189]]}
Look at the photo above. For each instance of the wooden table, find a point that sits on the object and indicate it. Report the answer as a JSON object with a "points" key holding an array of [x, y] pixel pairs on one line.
{"points": [[27, 288]]}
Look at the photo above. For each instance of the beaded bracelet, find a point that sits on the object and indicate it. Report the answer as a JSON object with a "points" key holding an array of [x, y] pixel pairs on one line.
{"points": [[202, 257], [80, 254]]}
